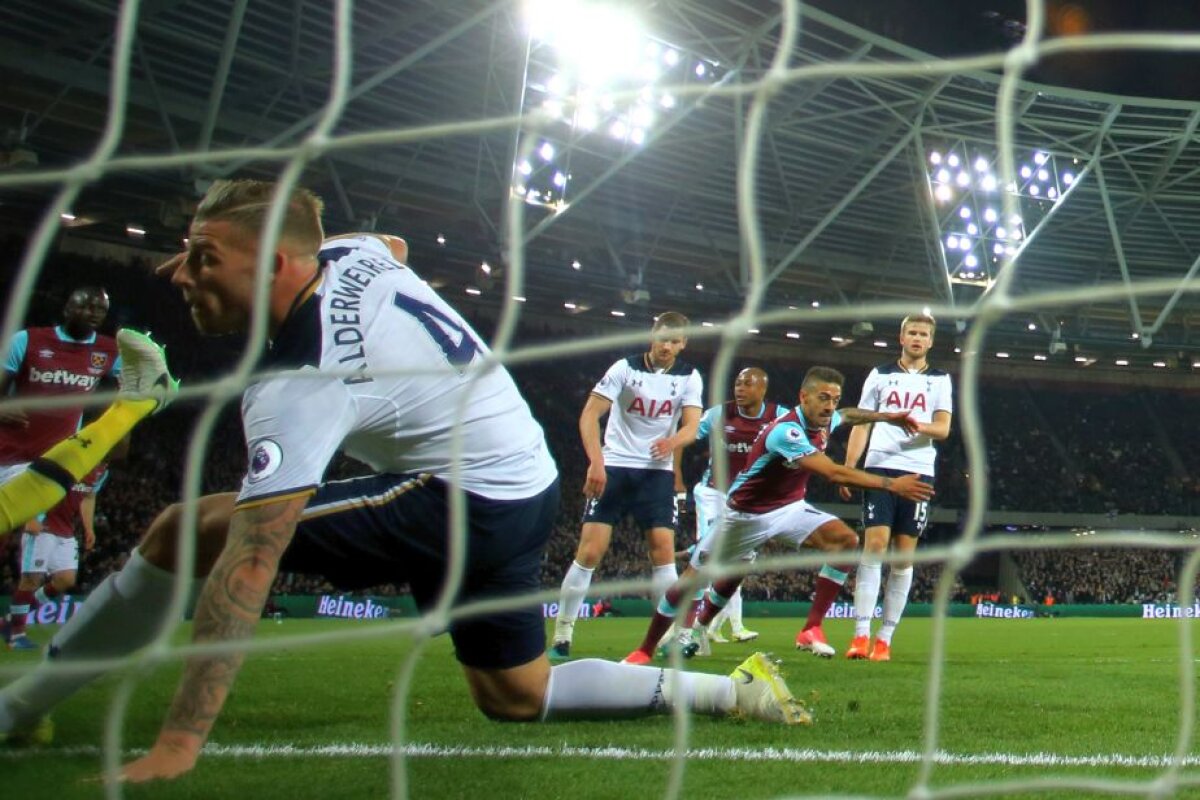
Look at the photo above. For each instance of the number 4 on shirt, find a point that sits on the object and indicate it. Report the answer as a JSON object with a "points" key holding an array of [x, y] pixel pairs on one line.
{"points": [[432, 319]]}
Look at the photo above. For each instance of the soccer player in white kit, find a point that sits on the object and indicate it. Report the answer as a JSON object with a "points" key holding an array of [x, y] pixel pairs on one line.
{"points": [[366, 358], [907, 384], [653, 400]]}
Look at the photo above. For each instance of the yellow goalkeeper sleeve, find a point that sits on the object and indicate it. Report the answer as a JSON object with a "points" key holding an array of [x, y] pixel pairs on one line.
{"points": [[49, 478]]}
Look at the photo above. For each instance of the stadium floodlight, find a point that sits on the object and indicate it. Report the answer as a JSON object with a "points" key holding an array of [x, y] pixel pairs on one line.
{"points": [[988, 183], [1026, 171], [519, 298], [570, 306], [1068, 178], [1039, 158], [973, 229], [66, 216], [699, 287], [617, 313], [441, 239], [963, 179], [135, 230], [880, 343], [964, 212], [1002, 354], [792, 334], [952, 160], [1122, 362], [816, 303], [1039, 357], [592, 68], [473, 291], [981, 164], [1043, 175], [935, 157], [1160, 364], [486, 268], [706, 324], [576, 265], [1031, 326], [943, 193]]}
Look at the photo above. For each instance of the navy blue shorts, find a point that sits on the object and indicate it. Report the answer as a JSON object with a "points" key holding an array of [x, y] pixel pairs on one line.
{"points": [[885, 509], [648, 495], [384, 529]]}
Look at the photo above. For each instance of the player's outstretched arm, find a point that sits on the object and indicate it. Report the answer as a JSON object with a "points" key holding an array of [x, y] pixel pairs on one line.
{"points": [[861, 416], [910, 487], [229, 608]]}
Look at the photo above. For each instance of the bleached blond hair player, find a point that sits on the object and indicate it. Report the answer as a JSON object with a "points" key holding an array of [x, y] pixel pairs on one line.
{"points": [[653, 400], [382, 365], [906, 384]]}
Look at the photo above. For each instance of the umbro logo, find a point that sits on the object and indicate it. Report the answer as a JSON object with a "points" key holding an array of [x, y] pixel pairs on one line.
{"points": [[46, 353]]}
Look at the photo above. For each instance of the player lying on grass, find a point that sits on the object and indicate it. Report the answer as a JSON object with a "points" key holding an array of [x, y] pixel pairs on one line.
{"points": [[766, 499], [365, 358], [146, 386]]}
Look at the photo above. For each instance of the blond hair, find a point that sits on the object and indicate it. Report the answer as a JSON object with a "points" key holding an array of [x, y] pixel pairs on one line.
{"points": [[245, 203], [922, 317]]}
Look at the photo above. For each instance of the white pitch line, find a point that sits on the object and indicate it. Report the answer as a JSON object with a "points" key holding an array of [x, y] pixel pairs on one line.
{"points": [[794, 755]]}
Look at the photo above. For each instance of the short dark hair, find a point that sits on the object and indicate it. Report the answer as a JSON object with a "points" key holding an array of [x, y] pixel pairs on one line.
{"points": [[817, 375], [670, 319]]}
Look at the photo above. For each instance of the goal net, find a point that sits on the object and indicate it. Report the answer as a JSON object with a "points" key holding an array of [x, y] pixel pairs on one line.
{"points": [[790, 181]]}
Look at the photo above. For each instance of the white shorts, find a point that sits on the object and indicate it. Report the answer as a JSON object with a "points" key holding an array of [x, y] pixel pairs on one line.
{"points": [[740, 534], [45, 552]]}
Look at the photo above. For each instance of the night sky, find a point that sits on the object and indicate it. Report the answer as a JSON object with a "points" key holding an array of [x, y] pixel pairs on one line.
{"points": [[959, 27]]}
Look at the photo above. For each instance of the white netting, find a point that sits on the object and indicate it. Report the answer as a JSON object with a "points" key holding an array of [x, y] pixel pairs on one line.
{"points": [[313, 138]]}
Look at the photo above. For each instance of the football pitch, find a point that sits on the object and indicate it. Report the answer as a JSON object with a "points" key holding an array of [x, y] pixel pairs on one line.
{"points": [[1091, 699]]}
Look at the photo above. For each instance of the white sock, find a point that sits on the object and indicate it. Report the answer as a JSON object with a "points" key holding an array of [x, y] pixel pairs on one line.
{"points": [[123, 614], [661, 579], [734, 609], [866, 592], [718, 621], [595, 689], [895, 598], [574, 587], [40, 596]]}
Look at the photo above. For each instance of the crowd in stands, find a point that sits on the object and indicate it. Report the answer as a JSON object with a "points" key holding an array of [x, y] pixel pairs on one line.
{"points": [[1049, 448], [1099, 575]]}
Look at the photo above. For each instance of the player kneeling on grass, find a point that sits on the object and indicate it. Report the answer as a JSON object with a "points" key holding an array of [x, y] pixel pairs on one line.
{"points": [[412, 367], [766, 499]]}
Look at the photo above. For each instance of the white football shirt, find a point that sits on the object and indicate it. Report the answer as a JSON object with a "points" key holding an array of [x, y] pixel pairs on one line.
{"points": [[408, 388], [890, 387], [646, 405]]}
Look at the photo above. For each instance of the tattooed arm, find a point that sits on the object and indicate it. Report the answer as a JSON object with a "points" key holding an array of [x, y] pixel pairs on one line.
{"points": [[861, 416], [229, 608]]}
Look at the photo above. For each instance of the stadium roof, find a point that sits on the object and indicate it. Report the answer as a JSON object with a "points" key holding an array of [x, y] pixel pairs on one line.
{"points": [[845, 185]]}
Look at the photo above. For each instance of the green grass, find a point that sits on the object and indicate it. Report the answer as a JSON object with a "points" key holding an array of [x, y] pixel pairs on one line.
{"points": [[1079, 687]]}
